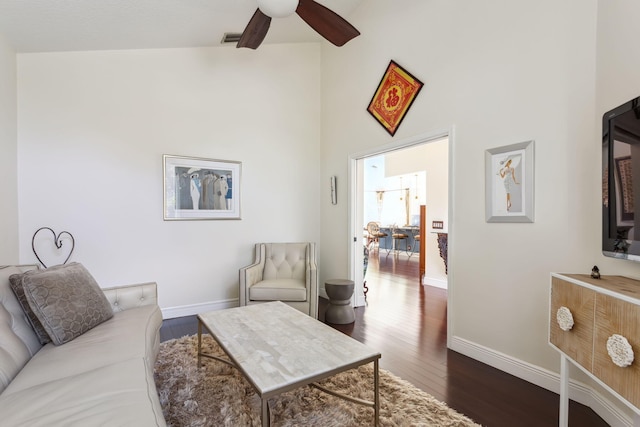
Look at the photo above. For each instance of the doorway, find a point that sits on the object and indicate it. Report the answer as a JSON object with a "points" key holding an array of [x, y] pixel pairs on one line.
{"points": [[419, 168]]}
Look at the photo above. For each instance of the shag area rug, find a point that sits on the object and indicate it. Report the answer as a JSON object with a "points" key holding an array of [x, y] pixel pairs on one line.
{"points": [[217, 395]]}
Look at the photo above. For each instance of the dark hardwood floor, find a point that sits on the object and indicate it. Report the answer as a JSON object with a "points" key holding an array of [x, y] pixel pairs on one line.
{"points": [[407, 323]]}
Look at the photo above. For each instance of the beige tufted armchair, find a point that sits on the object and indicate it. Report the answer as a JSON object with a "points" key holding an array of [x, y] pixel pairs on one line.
{"points": [[284, 272]]}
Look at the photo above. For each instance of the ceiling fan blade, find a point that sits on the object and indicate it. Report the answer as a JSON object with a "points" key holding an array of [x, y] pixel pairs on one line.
{"points": [[327, 23], [256, 30]]}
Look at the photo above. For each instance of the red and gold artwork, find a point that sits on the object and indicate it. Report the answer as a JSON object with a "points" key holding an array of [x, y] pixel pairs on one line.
{"points": [[393, 98]]}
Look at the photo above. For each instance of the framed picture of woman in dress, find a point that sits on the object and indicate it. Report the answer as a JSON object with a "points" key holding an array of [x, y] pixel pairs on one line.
{"points": [[509, 183], [197, 188]]}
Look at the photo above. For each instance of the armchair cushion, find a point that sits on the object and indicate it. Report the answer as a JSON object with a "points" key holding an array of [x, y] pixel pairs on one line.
{"points": [[285, 261], [279, 290]]}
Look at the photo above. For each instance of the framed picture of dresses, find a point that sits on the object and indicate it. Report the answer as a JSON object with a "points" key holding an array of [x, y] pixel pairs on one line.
{"points": [[509, 183], [197, 188]]}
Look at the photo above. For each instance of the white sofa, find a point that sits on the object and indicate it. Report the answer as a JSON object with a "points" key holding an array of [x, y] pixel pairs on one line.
{"points": [[103, 377]]}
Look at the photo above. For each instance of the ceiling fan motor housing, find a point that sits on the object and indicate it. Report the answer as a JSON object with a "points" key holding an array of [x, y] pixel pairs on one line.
{"points": [[278, 8]]}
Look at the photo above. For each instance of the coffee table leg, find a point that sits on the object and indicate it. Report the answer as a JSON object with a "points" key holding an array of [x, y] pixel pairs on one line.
{"points": [[266, 421], [199, 343], [376, 397]]}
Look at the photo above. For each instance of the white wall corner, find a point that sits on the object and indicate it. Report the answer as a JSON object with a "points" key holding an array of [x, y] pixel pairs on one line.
{"points": [[544, 378]]}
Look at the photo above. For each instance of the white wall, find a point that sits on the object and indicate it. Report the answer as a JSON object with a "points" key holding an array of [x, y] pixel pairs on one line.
{"points": [[93, 127], [497, 73], [618, 56], [8, 157]]}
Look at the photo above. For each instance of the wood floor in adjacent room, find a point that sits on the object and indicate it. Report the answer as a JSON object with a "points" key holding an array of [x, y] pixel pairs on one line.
{"points": [[407, 323]]}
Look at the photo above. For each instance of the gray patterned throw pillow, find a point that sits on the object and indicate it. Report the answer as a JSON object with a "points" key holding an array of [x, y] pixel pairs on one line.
{"points": [[67, 301], [15, 281]]}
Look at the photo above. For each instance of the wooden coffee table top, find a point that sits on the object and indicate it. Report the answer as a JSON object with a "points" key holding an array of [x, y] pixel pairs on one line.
{"points": [[278, 348]]}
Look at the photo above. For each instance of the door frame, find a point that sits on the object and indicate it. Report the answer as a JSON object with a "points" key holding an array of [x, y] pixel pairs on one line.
{"points": [[355, 212]]}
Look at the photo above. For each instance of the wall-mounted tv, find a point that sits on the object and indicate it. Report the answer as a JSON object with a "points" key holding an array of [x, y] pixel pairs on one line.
{"points": [[621, 181]]}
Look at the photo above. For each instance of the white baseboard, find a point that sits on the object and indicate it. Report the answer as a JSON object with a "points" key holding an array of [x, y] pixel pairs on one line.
{"points": [[193, 309], [437, 283], [541, 377]]}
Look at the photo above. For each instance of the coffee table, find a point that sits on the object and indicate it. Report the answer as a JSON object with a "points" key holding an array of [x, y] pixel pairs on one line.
{"points": [[277, 348]]}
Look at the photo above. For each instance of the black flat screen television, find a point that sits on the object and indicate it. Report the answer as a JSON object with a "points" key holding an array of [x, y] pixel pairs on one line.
{"points": [[621, 181]]}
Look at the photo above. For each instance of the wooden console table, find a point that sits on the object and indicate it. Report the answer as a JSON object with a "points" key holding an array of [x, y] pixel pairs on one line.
{"points": [[595, 324]]}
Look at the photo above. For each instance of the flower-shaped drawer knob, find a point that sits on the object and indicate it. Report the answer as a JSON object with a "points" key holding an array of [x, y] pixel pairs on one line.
{"points": [[620, 350], [564, 318]]}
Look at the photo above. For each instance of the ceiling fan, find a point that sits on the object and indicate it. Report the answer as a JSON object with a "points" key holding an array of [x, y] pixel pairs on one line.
{"points": [[327, 23]]}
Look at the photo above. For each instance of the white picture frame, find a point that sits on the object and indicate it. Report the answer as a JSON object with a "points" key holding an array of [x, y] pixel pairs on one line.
{"points": [[509, 183], [199, 189]]}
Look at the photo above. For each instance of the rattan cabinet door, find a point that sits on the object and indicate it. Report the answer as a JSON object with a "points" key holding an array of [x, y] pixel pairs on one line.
{"points": [[577, 343], [614, 316]]}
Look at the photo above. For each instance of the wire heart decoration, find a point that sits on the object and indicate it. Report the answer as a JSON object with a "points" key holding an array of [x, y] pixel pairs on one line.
{"points": [[56, 240]]}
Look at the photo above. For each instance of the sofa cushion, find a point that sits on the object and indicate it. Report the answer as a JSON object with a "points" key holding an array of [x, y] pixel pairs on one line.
{"points": [[128, 334], [15, 281], [120, 394], [278, 290], [67, 301], [18, 340]]}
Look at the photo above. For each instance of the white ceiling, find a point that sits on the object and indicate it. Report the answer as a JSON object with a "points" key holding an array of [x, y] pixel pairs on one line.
{"points": [[70, 25]]}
